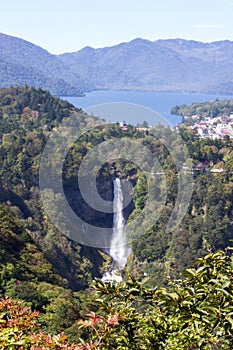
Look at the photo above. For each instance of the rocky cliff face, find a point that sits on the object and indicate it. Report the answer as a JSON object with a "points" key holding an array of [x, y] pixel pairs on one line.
{"points": [[105, 188]]}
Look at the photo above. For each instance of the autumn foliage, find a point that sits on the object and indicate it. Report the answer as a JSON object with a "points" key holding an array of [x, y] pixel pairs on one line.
{"points": [[19, 329], [190, 314]]}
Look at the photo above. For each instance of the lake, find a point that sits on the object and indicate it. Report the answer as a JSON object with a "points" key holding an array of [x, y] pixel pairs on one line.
{"points": [[161, 102]]}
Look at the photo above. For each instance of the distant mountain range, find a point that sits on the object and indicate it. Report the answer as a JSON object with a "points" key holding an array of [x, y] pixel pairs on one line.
{"points": [[162, 65]]}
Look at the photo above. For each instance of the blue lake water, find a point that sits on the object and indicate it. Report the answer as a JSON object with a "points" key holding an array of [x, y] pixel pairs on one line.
{"points": [[161, 102]]}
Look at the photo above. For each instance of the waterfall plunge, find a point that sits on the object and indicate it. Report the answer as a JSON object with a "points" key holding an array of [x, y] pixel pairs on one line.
{"points": [[119, 250]]}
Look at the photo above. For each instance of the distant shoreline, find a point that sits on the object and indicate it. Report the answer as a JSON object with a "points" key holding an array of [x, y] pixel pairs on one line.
{"points": [[161, 102]]}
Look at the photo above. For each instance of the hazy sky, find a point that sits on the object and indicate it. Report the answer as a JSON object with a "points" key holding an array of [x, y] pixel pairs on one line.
{"points": [[68, 25]]}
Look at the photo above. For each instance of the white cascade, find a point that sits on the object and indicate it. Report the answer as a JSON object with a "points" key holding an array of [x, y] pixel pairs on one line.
{"points": [[119, 250]]}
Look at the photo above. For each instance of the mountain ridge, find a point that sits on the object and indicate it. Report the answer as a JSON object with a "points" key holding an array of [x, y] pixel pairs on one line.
{"points": [[39, 67], [164, 65], [176, 65]]}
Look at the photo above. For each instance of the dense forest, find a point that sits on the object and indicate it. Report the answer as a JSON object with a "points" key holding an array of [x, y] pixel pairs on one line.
{"points": [[44, 271], [217, 108]]}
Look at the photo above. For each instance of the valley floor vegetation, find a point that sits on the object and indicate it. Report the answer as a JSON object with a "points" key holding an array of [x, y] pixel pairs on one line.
{"points": [[193, 313]]}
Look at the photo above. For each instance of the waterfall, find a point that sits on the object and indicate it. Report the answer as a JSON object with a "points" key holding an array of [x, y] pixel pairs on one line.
{"points": [[119, 250]]}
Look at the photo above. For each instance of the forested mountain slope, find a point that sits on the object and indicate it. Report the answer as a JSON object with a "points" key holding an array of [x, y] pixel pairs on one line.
{"points": [[170, 65], [52, 273], [22, 62]]}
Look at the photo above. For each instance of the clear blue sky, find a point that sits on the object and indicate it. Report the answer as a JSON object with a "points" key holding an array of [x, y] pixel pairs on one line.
{"points": [[68, 25]]}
